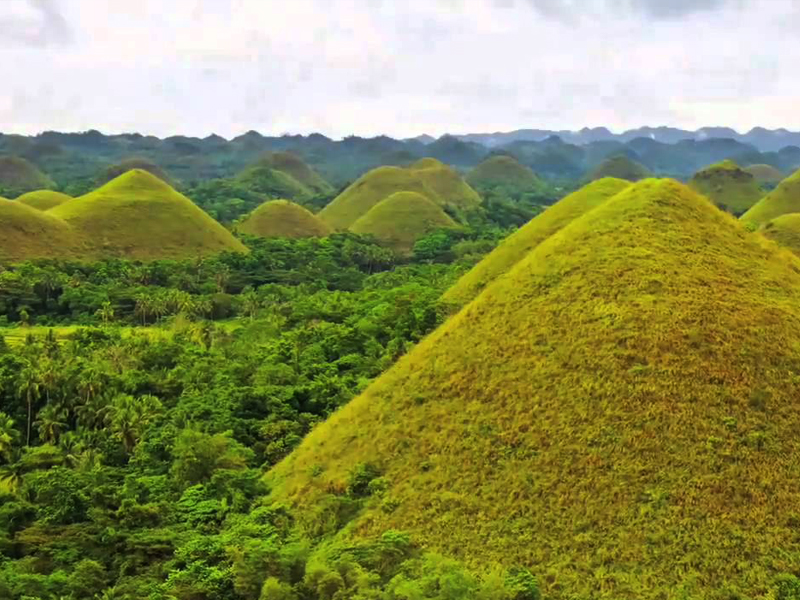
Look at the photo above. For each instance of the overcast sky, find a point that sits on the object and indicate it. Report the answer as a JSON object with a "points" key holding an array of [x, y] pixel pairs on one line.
{"points": [[399, 67]]}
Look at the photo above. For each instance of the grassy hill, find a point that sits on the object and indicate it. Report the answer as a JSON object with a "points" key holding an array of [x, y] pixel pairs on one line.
{"points": [[262, 178], [620, 167], [619, 414], [401, 219], [429, 177], [519, 244], [129, 164], [783, 200], [137, 215], [281, 218], [18, 176], [27, 233], [43, 199], [501, 171], [785, 230], [294, 166], [728, 186], [766, 174]]}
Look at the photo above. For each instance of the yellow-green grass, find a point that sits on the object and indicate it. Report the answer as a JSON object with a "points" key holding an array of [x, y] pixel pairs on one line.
{"points": [[785, 230], [429, 177], [130, 164], [784, 199], [21, 175], [620, 167], [271, 182], [765, 174], [728, 186], [16, 336], [43, 199], [519, 244], [137, 215], [281, 218], [294, 166], [401, 219], [619, 413], [27, 233], [501, 170]]}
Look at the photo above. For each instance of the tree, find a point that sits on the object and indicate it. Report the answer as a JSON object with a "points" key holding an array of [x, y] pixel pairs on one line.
{"points": [[198, 455], [52, 421], [8, 436], [105, 313], [29, 388], [143, 308], [129, 417]]}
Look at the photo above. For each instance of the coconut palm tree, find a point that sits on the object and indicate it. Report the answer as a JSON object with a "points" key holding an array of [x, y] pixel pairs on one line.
{"points": [[29, 389], [51, 421], [105, 313], [8, 435]]}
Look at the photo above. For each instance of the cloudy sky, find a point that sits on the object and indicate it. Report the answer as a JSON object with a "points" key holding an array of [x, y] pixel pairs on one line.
{"points": [[399, 67]]}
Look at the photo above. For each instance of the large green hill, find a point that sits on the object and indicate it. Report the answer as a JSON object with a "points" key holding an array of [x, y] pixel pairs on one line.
{"points": [[294, 166], [519, 244], [620, 167], [137, 215], [129, 164], [785, 230], [401, 219], [263, 178], [18, 176], [43, 199], [619, 414], [27, 233], [765, 174], [281, 218], [728, 185], [784, 199], [502, 171]]}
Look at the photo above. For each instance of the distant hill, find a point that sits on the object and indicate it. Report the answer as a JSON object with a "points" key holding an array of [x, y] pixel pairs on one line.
{"points": [[502, 171], [43, 199], [614, 409], [729, 186], [27, 233], [765, 174], [129, 164], [784, 199], [518, 245], [620, 167], [18, 176], [263, 178], [294, 166], [281, 218], [785, 230], [401, 219], [139, 216]]}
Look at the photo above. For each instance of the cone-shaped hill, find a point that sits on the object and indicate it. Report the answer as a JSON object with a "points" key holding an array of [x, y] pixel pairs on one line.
{"points": [[18, 176], [262, 177], [43, 199], [619, 414], [785, 230], [502, 171], [519, 244], [728, 186], [137, 215], [620, 167], [27, 233], [401, 219], [783, 200], [281, 218], [765, 174], [429, 177], [129, 164], [294, 166]]}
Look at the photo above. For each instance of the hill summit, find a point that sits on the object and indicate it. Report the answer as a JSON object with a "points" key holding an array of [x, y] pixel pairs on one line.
{"points": [[784, 199], [728, 185], [26, 233], [620, 167], [618, 413], [18, 176], [43, 199], [501, 170], [785, 230], [294, 166], [765, 174], [130, 164], [281, 218]]}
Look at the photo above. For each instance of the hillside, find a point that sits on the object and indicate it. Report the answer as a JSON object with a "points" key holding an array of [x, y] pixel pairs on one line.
{"points": [[619, 414], [519, 244], [501, 171], [401, 219], [129, 164], [766, 174], [281, 218], [429, 177], [262, 178], [620, 167], [139, 216], [18, 176], [785, 230], [728, 186], [294, 166], [27, 233], [43, 199], [784, 199]]}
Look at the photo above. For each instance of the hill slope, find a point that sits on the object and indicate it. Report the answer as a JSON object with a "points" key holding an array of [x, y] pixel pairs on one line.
{"points": [[139, 216], [783, 200], [401, 219], [27, 233], [281, 218], [785, 230], [129, 164], [619, 413], [727, 185], [18, 176], [520, 243], [262, 178], [620, 167], [501, 171], [294, 166], [43, 199], [765, 174]]}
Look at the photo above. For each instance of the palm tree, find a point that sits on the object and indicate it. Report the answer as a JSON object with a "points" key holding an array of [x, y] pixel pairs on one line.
{"points": [[250, 303], [106, 313], [11, 476], [29, 387], [8, 436], [52, 421], [144, 307], [129, 418]]}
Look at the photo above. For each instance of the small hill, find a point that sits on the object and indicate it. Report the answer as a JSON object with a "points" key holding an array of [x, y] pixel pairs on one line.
{"points": [[728, 186], [294, 166], [43, 199], [281, 218], [502, 170], [129, 164], [139, 216], [429, 177], [784, 199], [765, 174], [263, 179], [27, 233], [519, 244], [401, 219], [785, 230], [619, 414], [620, 167], [18, 176]]}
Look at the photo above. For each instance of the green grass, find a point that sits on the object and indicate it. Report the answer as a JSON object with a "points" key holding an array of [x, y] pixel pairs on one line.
{"points": [[401, 219], [272, 183], [27, 233], [294, 166], [519, 244], [450, 188], [281, 218], [765, 174], [728, 186], [43, 199], [785, 230], [619, 413], [502, 170], [139, 216], [20, 175], [129, 164], [784, 199], [16, 336], [620, 167]]}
